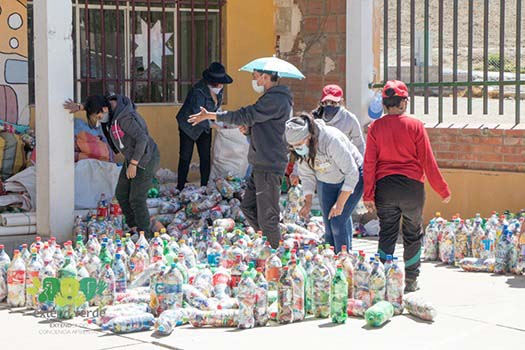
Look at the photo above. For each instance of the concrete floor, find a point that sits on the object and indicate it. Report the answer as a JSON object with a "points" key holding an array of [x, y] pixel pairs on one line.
{"points": [[475, 311]]}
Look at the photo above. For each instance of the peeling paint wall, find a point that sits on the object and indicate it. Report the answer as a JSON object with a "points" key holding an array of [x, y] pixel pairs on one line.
{"points": [[312, 35]]}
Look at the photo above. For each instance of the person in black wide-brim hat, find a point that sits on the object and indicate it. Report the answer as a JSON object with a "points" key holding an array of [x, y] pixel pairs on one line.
{"points": [[206, 93]]}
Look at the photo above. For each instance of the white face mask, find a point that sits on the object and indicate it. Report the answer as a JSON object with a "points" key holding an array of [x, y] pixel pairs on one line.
{"points": [[258, 89], [216, 90], [105, 117]]}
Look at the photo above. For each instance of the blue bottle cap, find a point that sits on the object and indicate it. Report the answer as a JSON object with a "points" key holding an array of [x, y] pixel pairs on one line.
{"points": [[105, 327], [117, 256], [389, 257], [372, 259]]}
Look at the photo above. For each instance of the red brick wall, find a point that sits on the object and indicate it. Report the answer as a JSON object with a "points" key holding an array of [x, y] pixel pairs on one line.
{"points": [[322, 34], [479, 148]]}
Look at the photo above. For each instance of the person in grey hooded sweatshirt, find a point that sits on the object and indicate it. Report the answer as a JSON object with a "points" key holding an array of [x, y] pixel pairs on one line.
{"points": [[329, 161], [127, 133], [264, 122]]}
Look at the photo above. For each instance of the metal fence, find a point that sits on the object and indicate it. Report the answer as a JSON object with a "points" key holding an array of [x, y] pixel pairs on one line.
{"points": [[478, 53]]}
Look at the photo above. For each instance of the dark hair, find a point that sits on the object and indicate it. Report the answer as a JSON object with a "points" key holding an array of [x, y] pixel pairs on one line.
{"points": [[94, 104], [393, 101], [313, 130], [274, 76]]}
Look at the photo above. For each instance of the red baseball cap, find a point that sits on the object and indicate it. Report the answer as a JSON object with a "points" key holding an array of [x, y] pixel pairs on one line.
{"points": [[398, 87], [332, 92]]}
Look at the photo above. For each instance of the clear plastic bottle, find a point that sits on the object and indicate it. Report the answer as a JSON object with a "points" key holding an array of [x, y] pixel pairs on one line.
{"points": [[170, 319], [264, 254], [477, 238], [221, 283], [48, 270], [127, 324], [378, 314], [189, 255], [431, 242], [137, 263], [108, 295], [261, 303], [447, 244], [5, 260], [93, 245], [142, 241], [25, 254], [156, 253], [16, 275], [156, 286], [503, 248], [419, 307], [361, 281], [172, 292], [285, 297], [348, 268], [32, 271], [298, 290], [214, 252], [247, 300], [203, 281], [120, 271], [395, 286], [462, 242], [236, 274], [58, 257], [308, 286], [69, 269], [273, 270], [377, 282], [339, 297], [215, 318], [321, 283]]}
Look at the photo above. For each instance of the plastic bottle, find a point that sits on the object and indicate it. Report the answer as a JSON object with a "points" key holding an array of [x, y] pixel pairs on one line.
{"points": [[395, 286], [339, 297], [264, 254], [221, 283], [477, 237], [16, 275], [348, 268], [236, 274], [477, 264], [127, 324], [69, 269], [356, 308], [261, 299], [108, 295], [102, 207], [446, 244], [419, 307], [273, 270], [32, 271], [48, 270], [195, 298], [285, 297], [170, 319], [156, 286], [137, 263], [5, 260], [203, 281], [172, 292], [378, 314], [431, 242], [462, 242], [214, 252], [503, 248], [142, 241], [247, 299], [93, 245], [156, 253], [321, 284], [308, 286], [25, 254], [377, 282], [58, 257], [119, 269], [361, 281], [298, 276], [105, 255], [215, 318]]}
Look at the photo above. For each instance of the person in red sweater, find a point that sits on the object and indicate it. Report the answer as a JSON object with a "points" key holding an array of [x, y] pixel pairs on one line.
{"points": [[397, 158]]}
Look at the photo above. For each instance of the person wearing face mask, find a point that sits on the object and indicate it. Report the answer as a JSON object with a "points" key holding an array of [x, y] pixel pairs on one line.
{"points": [[207, 93], [329, 161], [264, 123], [127, 133], [334, 113], [397, 159]]}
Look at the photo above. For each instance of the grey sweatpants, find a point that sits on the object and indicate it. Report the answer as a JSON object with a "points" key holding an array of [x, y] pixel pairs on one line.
{"points": [[260, 204]]}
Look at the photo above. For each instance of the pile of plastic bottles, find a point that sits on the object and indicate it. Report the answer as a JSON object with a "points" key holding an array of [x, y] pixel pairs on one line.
{"points": [[222, 276], [495, 244], [107, 220]]}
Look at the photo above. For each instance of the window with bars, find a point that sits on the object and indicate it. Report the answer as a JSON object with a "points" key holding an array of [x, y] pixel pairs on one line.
{"points": [[150, 50]]}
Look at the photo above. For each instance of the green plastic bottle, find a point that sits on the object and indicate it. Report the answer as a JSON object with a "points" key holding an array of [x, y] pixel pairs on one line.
{"points": [[378, 314], [339, 297]]}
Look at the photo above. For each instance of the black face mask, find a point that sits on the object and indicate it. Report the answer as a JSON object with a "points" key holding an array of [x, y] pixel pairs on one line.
{"points": [[330, 112]]}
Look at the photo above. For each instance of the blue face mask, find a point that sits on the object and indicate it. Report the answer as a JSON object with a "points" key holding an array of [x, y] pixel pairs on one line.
{"points": [[302, 150], [330, 112]]}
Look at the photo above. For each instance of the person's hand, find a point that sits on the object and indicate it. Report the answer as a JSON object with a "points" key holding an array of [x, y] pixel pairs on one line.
{"points": [[199, 117], [72, 106], [294, 180], [305, 211], [244, 129], [447, 200], [132, 171], [335, 211], [370, 205]]}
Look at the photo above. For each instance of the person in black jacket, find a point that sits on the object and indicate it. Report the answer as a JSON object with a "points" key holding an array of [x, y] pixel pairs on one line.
{"points": [[206, 93], [127, 133]]}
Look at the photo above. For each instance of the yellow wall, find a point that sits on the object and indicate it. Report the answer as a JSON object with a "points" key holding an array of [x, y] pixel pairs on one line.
{"points": [[478, 192]]}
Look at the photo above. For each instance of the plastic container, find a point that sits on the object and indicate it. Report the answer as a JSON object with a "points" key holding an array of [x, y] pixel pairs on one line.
{"points": [[339, 297], [378, 314]]}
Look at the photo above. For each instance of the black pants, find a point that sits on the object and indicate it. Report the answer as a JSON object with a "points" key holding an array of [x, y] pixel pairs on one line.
{"points": [[399, 197], [133, 193], [186, 153], [260, 204]]}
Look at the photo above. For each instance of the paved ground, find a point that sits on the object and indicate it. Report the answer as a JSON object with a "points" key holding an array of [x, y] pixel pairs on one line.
{"points": [[475, 311]]}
